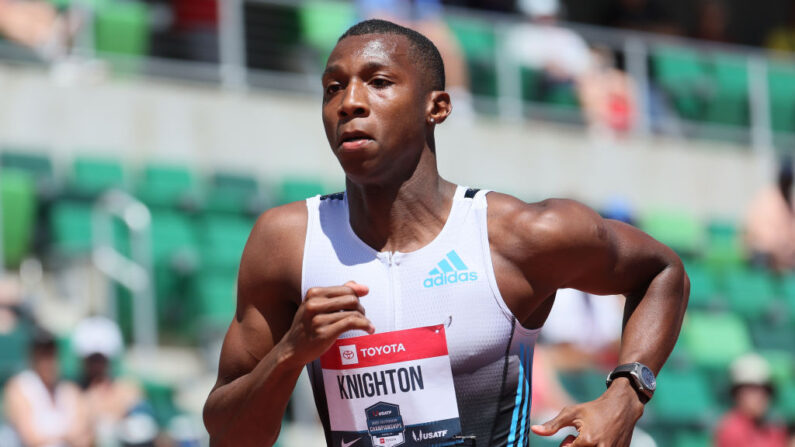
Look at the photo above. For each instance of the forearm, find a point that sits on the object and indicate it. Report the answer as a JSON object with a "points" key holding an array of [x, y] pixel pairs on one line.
{"points": [[653, 318], [249, 410]]}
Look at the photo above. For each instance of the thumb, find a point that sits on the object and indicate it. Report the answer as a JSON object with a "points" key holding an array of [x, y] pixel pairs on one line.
{"points": [[563, 419], [359, 289]]}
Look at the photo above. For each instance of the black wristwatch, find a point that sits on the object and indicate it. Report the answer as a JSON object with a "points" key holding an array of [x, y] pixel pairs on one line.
{"points": [[639, 375]]}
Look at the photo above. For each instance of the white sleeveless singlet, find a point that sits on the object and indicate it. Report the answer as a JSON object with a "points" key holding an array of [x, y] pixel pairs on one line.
{"points": [[450, 281], [53, 414]]}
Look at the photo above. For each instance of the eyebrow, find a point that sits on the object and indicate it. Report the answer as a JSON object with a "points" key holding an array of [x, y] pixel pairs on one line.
{"points": [[369, 66]]}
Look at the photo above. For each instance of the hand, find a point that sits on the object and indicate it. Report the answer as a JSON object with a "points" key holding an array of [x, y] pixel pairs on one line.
{"points": [[605, 422], [324, 315]]}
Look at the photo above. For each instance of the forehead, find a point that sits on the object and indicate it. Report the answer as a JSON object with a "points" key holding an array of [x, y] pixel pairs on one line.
{"points": [[391, 50]]}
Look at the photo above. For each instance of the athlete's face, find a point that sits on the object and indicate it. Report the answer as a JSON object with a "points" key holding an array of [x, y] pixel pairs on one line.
{"points": [[375, 105]]}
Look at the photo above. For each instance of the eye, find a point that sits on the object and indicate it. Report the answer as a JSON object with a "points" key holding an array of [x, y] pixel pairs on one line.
{"points": [[380, 83], [332, 88]]}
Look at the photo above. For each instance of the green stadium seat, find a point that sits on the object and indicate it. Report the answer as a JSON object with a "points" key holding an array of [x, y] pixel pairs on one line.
{"points": [[93, 176], [122, 28], [70, 227], [775, 334], [166, 185], [782, 365], [724, 248], [691, 438], [677, 229], [160, 396], [322, 22], [683, 74], [13, 351], [705, 288], [714, 340], [18, 213], [787, 291], [217, 298], [785, 401], [584, 386], [750, 292], [37, 165], [543, 441], [479, 44], [222, 241], [233, 193], [729, 105], [781, 85], [296, 189], [684, 399]]}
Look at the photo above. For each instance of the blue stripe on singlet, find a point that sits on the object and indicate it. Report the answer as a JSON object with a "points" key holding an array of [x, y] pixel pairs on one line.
{"points": [[518, 403], [526, 383]]}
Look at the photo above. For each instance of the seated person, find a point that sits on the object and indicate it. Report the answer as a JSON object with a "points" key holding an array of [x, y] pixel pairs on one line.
{"points": [[42, 409]]}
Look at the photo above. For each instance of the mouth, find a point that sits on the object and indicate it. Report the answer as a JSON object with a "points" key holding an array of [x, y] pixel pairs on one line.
{"points": [[353, 140]]}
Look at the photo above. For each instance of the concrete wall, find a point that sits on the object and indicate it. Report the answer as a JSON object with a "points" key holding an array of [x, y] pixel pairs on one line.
{"points": [[271, 133]]}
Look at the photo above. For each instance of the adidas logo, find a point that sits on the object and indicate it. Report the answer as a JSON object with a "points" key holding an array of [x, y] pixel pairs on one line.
{"points": [[450, 270]]}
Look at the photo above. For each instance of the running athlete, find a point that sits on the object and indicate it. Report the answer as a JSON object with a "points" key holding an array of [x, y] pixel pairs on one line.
{"points": [[435, 292]]}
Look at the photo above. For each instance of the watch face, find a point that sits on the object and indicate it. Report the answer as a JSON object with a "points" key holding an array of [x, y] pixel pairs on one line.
{"points": [[649, 382]]}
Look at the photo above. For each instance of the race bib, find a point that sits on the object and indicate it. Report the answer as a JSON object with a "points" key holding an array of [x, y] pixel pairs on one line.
{"points": [[391, 389]]}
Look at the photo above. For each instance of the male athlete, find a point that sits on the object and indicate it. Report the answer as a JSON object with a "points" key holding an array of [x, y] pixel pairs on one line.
{"points": [[415, 303]]}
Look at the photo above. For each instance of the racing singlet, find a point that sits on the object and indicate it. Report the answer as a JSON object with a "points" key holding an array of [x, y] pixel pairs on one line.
{"points": [[449, 364]]}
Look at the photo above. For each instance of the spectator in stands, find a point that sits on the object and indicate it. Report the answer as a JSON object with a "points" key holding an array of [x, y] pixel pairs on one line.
{"points": [[607, 95], [745, 424], [641, 15], [97, 340], [43, 409], [712, 21], [560, 54], [37, 25], [425, 17], [770, 224], [595, 343], [782, 38], [10, 302]]}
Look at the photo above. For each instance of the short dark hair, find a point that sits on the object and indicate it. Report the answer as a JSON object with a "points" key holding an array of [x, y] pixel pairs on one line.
{"points": [[424, 53]]}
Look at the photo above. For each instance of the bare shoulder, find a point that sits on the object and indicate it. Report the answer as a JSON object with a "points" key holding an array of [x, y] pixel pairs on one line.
{"points": [[518, 229], [274, 251]]}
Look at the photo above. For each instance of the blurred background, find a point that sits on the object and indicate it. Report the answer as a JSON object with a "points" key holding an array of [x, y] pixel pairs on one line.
{"points": [[139, 141]]}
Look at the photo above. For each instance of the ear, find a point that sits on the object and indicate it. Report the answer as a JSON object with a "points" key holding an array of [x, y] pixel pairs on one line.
{"points": [[439, 107]]}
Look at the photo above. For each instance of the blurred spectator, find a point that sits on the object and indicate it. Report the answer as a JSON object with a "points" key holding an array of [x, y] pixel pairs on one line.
{"points": [[37, 25], [194, 31], [782, 38], [10, 302], [595, 342], [425, 17], [745, 424], [560, 54], [641, 15], [607, 94], [97, 340], [770, 224], [548, 394], [44, 410], [712, 21]]}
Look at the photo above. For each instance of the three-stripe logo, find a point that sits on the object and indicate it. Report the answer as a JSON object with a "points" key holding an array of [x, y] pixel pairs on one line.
{"points": [[450, 270]]}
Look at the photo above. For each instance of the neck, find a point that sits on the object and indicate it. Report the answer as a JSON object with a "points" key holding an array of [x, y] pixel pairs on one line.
{"points": [[402, 214]]}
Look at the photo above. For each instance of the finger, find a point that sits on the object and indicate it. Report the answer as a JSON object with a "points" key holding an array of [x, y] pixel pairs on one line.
{"points": [[564, 419], [569, 441], [359, 289], [351, 322], [329, 292], [320, 305], [319, 321]]}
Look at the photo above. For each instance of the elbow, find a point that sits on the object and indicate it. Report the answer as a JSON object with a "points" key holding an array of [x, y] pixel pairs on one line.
{"points": [[680, 282]]}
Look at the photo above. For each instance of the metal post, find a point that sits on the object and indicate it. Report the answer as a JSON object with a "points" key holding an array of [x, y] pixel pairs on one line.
{"points": [[636, 53], [509, 81], [761, 125], [232, 45]]}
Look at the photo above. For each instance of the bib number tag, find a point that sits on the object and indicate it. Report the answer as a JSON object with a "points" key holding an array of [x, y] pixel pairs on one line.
{"points": [[391, 389]]}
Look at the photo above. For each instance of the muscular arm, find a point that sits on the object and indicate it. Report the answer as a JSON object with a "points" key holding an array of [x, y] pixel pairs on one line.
{"points": [[563, 244], [274, 333]]}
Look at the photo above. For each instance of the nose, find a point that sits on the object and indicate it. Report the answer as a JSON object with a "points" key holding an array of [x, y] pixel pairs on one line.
{"points": [[354, 101]]}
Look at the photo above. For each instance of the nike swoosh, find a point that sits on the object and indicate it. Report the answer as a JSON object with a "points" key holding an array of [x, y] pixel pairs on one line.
{"points": [[349, 444]]}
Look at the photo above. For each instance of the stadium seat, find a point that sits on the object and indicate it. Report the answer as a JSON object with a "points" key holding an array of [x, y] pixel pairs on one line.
{"points": [[222, 241], [729, 104], [773, 334], [165, 185], [782, 364], [18, 213], [37, 165], [684, 75], [724, 248], [787, 291], [13, 351], [70, 227], [479, 45], [584, 386], [750, 292], [705, 289], [677, 229], [692, 438], [785, 401], [686, 399], [296, 189], [323, 22], [93, 176], [122, 28], [233, 193], [714, 340], [781, 85], [217, 298], [160, 396]]}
